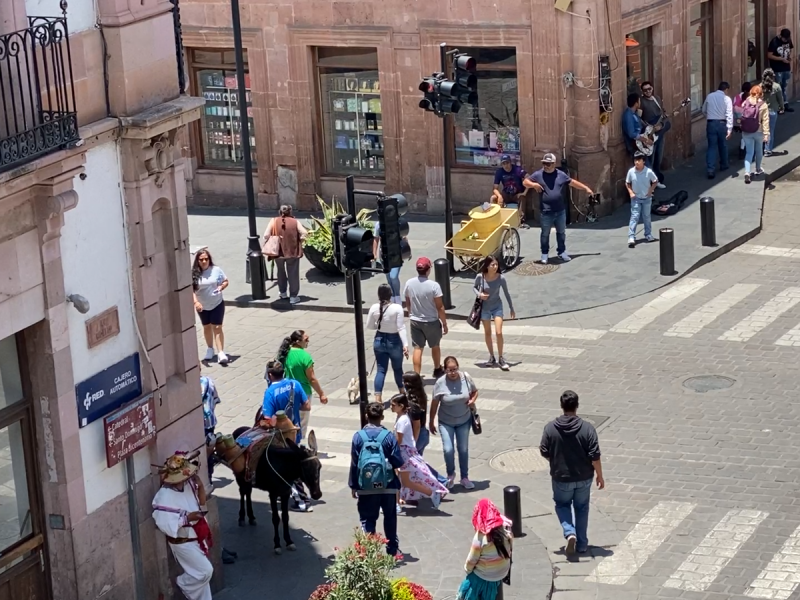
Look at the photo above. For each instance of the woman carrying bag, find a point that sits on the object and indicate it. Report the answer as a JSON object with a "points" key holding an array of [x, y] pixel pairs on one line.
{"points": [[489, 561], [283, 242], [487, 288]]}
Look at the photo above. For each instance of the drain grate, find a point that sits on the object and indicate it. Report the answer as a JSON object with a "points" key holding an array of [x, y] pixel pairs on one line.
{"points": [[532, 269], [708, 383], [519, 460]]}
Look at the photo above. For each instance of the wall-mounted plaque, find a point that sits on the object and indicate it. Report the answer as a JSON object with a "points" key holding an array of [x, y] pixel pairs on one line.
{"points": [[102, 327]]}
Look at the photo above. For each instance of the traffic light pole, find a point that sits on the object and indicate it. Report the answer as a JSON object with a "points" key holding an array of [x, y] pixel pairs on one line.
{"points": [[355, 282], [448, 192]]}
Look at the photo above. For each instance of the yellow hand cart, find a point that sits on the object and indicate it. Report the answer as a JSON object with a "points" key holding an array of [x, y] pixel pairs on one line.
{"points": [[488, 232]]}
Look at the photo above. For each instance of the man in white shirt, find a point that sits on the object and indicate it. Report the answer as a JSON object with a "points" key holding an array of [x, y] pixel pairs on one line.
{"points": [[718, 109]]}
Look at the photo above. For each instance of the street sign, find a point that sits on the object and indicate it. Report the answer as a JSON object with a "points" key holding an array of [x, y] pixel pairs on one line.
{"points": [[108, 390], [130, 429]]}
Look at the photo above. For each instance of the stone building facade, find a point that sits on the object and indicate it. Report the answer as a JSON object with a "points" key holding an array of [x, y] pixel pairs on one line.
{"points": [[96, 271], [317, 68]]}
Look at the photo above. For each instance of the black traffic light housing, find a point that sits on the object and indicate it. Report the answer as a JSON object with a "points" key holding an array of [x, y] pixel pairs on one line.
{"points": [[393, 231], [442, 95], [428, 87], [355, 244], [464, 68]]}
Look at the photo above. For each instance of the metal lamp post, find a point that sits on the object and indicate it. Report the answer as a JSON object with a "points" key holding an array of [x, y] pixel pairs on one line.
{"points": [[254, 256]]}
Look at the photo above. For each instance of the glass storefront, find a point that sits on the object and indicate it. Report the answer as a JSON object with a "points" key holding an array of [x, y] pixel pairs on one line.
{"points": [[639, 59], [214, 74], [351, 111], [700, 53], [483, 133]]}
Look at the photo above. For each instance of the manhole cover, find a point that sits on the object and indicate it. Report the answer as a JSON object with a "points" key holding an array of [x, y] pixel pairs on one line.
{"points": [[708, 383], [519, 460], [596, 420], [532, 268]]}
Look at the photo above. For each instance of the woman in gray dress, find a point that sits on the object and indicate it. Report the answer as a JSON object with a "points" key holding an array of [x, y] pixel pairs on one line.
{"points": [[487, 287]]}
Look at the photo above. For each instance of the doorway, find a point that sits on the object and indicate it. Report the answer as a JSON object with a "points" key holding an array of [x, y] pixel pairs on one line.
{"points": [[756, 27]]}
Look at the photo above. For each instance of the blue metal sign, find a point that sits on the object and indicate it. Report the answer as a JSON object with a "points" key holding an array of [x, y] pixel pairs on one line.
{"points": [[108, 390]]}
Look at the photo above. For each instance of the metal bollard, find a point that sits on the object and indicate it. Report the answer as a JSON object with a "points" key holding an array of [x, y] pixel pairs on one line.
{"points": [[708, 226], [441, 273], [512, 507], [667, 250], [249, 268]]}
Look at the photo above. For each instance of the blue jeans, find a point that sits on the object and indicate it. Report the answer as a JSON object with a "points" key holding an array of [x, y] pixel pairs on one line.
{"points": [[388, 347], [753, 147], [716, 133], [783, 78], [640, 207], [569, 496], [547, 220], [452, 437], [369, 509], [773, 119], [424, 439], [393, 279]]}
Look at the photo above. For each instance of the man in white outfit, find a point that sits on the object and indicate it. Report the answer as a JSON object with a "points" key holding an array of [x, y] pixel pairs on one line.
{"points": [[179, 512]]}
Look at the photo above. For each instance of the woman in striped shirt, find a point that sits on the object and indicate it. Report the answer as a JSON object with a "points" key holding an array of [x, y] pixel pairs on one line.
{"points": [[489, 559]]}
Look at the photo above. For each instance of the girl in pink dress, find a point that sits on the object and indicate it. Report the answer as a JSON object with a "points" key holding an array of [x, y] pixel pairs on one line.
{"points": [[415, 476]]}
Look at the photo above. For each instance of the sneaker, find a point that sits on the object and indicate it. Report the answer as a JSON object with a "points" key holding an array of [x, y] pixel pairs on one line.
{"points": [[492, 362], [222, 358], [661, 186], [767, 153], [571, 540], [450, 482], [760, 172], [436, 500], [300, 506], [582, 550], [747, 178], [544, 259], [294, 300], [399, 509], [467, 484], [438, 372], [564, 256], [209, 354], [503, 364], [631, 242], [650, 238], [283, 295], [524, 225]]}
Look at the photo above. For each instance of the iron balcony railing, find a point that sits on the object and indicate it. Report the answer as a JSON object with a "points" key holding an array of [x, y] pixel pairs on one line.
{"points": [[37, 95]]}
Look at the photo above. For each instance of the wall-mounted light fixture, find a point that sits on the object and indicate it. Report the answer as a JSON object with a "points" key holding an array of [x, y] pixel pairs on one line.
{"points": [[80, 303]]}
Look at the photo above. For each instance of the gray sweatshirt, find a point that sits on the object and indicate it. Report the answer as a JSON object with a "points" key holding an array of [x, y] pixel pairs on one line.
{"points": [[493, 289]]}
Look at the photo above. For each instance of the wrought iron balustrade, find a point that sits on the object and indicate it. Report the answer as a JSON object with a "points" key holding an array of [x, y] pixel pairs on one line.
{"points": [[37, 96]]}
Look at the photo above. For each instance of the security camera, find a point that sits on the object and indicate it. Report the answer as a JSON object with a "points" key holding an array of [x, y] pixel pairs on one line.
{"points": [[80, 303]]}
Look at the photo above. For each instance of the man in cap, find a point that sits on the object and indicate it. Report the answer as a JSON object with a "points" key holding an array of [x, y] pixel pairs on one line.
{"points": [[179, 512], [551, 183], [428, 318], [509, 190]]}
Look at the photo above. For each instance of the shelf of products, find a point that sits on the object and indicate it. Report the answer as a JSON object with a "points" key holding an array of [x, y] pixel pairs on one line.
{"points": [[353, 124], [221, 126]]}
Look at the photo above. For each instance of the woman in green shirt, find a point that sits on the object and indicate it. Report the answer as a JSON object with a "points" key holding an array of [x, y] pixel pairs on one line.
{"points": [[298, 364]]}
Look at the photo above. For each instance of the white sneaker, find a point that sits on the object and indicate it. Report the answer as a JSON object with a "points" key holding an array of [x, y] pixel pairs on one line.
{"points": [[294, 300], [661, 186], [544, 259], [436, 500], [283, 295], [631, 242], [209, 354], [564, 256], [222, 358], [450, 482]]}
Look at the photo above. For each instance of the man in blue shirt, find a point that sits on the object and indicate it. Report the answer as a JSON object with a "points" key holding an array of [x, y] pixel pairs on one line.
{"points": [[509, 189], [371, 503], [551, 184], [632, 127]]}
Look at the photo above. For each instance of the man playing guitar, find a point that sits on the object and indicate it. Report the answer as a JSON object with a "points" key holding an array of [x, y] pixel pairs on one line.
{"points": [[653, 114]]}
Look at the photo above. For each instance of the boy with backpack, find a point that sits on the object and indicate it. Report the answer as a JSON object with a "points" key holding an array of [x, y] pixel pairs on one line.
{"points": [[374, 455]]}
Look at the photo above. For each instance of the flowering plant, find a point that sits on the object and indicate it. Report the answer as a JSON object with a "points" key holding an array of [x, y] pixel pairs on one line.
{"points": [[402, 589]]}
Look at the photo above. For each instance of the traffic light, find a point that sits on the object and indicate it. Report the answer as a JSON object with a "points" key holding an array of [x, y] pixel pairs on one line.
{"points": [[394, 231], [338, 250], [428, 88], [464, 68], [448, 94], [355, 243]]}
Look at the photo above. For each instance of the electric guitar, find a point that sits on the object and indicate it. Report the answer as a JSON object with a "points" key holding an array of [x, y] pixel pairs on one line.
{"points": [[651, 131]]}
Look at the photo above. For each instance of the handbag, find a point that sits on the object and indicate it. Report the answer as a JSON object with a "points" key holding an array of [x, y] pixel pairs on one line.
{"points": [[507, 578], [474, 318], [476, 421], [272, 247]]}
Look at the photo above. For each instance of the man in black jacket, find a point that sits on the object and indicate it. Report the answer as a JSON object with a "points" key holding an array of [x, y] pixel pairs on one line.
{"points": [[570, 444]]}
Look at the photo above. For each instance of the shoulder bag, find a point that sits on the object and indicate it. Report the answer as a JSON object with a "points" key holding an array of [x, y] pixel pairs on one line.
{"points": [[272, 246], [477, 429], [474, 318]]}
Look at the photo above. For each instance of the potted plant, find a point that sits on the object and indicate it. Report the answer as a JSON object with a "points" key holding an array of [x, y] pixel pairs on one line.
{"points": [[361, 572], [318, 245]]}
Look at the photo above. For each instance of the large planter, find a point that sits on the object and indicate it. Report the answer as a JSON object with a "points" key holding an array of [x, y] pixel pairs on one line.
{"points": [[314, 256]]}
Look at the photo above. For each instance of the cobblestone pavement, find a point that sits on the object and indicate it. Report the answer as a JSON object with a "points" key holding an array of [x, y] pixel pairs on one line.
{"points": [[702, 475]]}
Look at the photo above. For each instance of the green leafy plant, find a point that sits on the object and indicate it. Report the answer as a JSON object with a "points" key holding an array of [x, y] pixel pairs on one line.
{"points": [[361, 571], [320, 229]]}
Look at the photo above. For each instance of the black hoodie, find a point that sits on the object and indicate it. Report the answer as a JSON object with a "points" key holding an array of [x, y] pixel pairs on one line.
{"points": [[570, 444]]}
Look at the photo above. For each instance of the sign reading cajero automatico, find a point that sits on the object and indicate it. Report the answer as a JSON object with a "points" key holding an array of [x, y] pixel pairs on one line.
{"points": [[108, 390]]}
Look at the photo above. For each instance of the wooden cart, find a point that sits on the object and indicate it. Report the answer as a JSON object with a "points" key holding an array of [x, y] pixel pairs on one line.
{"points": [[490, 232]]}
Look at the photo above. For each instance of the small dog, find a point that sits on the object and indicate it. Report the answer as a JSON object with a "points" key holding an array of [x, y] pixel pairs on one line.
{"points": [[353, 391]]}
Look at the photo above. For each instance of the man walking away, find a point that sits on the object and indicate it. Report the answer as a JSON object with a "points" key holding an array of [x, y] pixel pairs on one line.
{"points": [[374, 454], [570, 444], [509, 190], [428, 318], [718, 109], [550, 183], [641, 183], [779, 53], [652, 112]]}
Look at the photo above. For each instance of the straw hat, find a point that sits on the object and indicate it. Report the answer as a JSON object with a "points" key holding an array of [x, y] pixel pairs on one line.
{"points": [[179, 467]]}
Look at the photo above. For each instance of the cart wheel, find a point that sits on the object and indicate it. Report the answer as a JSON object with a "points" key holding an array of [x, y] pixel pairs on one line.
{"points": [[509, 249]]}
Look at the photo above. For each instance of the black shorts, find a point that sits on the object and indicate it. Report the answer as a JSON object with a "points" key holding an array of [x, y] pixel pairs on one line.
{"points": [[213, 316]]}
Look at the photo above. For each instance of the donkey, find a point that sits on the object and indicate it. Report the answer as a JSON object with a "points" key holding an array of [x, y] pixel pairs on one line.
{"points": [[276, 470]]}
